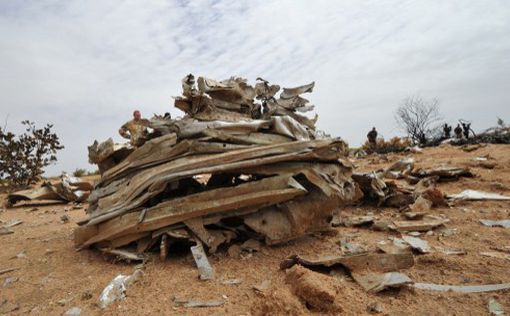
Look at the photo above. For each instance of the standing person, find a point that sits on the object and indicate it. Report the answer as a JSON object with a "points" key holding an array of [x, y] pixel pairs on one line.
{"points": [[466, 127], [135, 130], [372, 137], [447, 130], [458, 131]]}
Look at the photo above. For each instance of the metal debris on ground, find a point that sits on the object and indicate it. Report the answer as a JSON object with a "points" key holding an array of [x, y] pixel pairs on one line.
{"points": [[232, 281], [505, 223], [74, 311], [495, 254], [473, 195], [196, 303], [116, 289], [3, 271], [420, 245], [9, 281], [205, 270], [375, 282], [69, 189], [495, 308], [242, 163], [462, 289]]}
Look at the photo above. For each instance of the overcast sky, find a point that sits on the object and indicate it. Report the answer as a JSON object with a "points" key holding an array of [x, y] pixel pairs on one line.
{"points": [[86, 65]]}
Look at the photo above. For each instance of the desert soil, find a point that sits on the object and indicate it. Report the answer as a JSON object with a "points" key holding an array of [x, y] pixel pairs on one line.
{"points": [[52, 276]]}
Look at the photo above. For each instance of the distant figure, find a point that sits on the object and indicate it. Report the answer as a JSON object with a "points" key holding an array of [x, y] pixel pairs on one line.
{"points": [[135, 130], [458, 131], [167, 116], [422, 138], [466, 127], [447, 129], [372, 136]]}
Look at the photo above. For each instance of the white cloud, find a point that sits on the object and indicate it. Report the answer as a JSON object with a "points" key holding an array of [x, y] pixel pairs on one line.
{"points": [[85, 65]]}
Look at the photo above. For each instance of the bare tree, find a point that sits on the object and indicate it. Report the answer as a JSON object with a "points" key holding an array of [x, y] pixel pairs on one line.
{"points": [[419, 118]]}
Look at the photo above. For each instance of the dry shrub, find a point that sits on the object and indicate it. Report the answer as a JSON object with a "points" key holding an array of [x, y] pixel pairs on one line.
{"points": [[396, 144]]}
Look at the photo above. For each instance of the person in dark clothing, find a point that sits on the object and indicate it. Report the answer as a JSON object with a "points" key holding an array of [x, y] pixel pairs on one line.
{"points": [[372, 136], [458, 131], [466, 127], [447, 129]]}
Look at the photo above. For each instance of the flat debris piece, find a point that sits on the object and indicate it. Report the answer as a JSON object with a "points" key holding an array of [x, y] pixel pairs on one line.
{"points": [[205, 270], [376, 282], [495, 308], [197, 303], [418, 244], [444, 173], [462, 289], [505, 223], [418, 226], [123, 254], [495, 254], [355, 221], [473, 195], [374, 262]]}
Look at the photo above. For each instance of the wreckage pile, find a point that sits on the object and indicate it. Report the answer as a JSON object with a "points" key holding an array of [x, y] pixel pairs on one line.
{"points": [[240, 164], [68, 189]]}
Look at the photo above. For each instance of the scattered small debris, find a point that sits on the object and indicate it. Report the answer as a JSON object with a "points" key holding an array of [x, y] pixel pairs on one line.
{"points": [[232, 281], [505, 223], [194, 303], [495, 308], [9, 281], [20, 255], [116, 289], [462, 289], [74, 311], [64, 219]]}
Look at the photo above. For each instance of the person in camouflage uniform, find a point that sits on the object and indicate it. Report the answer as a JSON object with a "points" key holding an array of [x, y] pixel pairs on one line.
{"points": [[135, 130]]}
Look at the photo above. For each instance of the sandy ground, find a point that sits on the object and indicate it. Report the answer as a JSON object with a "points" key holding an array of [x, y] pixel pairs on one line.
{"points": [[53, 277]]}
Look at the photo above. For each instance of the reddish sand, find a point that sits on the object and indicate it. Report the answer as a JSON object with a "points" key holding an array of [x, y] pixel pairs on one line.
{"points": [[53, 277]]}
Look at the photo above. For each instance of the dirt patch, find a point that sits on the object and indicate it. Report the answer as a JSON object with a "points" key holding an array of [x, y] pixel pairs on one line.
{"points": [[313, 289]]}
